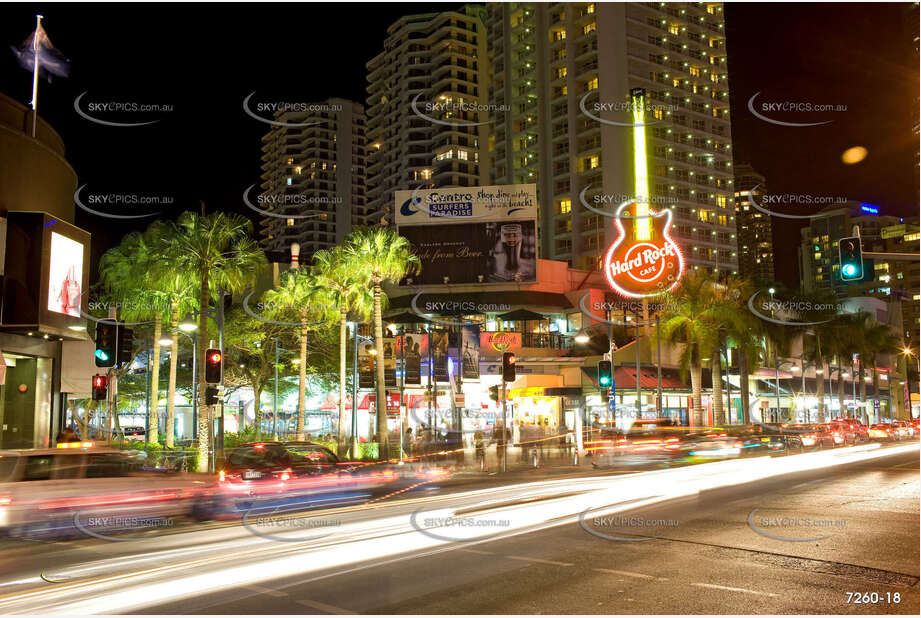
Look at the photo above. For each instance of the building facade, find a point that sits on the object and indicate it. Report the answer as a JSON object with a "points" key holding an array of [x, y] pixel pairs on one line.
{"points": [[565, 72], [313, 185], [426, 106], [754, 236]]}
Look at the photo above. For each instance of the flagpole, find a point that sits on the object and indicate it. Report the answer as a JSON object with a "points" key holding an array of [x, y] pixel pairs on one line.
{"points": [[35, 46]]}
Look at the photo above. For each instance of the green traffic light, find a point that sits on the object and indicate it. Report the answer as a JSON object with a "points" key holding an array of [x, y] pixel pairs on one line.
{"points": [[101, 355]]}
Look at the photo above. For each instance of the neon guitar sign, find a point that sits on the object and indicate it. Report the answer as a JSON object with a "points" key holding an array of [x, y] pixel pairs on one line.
{"points": [[644, 260]]}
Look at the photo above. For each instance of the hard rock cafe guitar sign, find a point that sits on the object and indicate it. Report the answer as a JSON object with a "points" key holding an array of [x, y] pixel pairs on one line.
{"points": [[643, 261]]}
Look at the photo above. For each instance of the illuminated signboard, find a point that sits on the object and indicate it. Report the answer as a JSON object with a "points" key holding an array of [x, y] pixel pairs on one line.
{"points": [[644, 260], [65, 275], [870, 209]]}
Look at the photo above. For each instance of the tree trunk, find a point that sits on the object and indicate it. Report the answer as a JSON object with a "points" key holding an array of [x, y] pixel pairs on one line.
{"points": [[716, 371], [204, 412], [382, 437], [302, 383], [820, 390], [257, 410], [171, 388], [343, 341], [863, 392], [153, 426], [697, 412], [744, 394], [840, 389]]}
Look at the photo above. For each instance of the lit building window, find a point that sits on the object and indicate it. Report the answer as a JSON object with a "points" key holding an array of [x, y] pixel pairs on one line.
{"points": [[564, 206], [289, 222]]}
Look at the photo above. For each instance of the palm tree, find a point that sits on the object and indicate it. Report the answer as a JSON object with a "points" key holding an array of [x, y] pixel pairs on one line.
{"points": [[381, 255], [729, 316], [178, 288], [218, 251], [125, 271], [340, 283], [293, 295], [692, 322], [878, 340]]}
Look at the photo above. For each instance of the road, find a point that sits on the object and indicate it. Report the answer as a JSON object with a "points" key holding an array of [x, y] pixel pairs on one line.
{"points": [[725, 537]]}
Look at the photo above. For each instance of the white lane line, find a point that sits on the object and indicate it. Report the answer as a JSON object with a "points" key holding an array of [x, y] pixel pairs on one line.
{"points": [[539, 560], [907, 463], [323, 607], [266, 591], [731, 589], [627, 573], [477, 551]]}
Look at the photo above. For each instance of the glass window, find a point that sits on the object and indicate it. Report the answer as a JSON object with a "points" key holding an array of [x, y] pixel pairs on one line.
{"points": [[107, 465], [38, 468]]}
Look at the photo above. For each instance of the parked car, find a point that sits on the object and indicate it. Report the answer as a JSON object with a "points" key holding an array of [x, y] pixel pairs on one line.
{"points": [[134, 432], [851, 431], [808, 436], [906, 429], [79, 488]]}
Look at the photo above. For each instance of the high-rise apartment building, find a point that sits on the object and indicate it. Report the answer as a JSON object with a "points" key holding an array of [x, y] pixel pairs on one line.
{"points": [[755, 241], [313, 177], [426, 102], [565, 72]]}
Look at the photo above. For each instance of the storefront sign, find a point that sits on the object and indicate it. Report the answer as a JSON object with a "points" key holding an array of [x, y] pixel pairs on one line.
{"points": [[500, 341]]}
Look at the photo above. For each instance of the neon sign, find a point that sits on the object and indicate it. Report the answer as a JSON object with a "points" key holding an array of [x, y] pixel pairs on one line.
{"points": [[870, 208], [644, 260]]}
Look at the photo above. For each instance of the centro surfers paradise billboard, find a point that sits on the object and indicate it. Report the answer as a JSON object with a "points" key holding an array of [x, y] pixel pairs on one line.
{"points": [[471, 234]]}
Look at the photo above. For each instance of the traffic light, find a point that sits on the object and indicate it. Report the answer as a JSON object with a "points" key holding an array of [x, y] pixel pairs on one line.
{"points": [[100, 387], [605, 379], [125, 347], [851, 259], [508, 366], [214, 366], [494, 392], [210, 396], [106, 344]]}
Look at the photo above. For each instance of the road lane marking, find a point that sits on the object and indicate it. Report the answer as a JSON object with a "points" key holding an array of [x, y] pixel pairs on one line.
{"points": [[539, 560], [627, 573], [477, 551], [266, 591], [731, 589], [323, 607]]}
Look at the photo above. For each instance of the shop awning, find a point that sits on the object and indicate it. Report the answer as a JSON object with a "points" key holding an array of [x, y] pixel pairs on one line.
{"points": [[405, 318], [522, 315]]}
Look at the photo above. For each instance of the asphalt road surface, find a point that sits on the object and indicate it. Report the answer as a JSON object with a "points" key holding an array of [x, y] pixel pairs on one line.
{"points": [[834, 532]]}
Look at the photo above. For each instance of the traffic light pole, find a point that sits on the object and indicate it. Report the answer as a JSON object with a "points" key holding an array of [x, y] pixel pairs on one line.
{"points": [[503, 434]]}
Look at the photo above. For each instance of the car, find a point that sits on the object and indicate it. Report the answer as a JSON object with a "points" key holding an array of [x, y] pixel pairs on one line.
{"points": [[758, 440], [49, 491], [907, 429], [134, 432], [883, 432], [808, 436], [852, 430]]}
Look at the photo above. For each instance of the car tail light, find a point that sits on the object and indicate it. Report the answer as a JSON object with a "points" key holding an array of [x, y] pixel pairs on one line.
{"points": [[5, 500], [221, 476]]}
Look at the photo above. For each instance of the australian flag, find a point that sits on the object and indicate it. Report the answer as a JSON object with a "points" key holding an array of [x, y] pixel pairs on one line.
{"points": [[50, 60]]}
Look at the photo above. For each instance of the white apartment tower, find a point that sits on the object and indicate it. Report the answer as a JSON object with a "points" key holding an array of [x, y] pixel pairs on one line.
{"points": [[426, 100], [313, 177], [551, 60]]}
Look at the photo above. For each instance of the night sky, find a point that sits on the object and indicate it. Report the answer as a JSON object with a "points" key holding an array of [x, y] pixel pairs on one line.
{"points": [[204, 60]]}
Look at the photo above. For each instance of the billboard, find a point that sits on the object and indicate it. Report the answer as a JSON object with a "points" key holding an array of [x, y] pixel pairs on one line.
{"points": [[470, 346], [390, 363], [365, 365], [439, 352], [65, 275], [416, 348], [471, 234]]}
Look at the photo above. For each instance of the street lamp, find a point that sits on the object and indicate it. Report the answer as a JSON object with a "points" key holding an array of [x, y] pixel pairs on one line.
{"points": [[907, 352]]}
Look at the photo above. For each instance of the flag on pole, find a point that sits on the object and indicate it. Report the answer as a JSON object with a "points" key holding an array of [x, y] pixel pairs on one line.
{"points": [[50, 60]]}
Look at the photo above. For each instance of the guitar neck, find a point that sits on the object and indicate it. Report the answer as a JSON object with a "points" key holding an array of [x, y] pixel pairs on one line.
{"points": [[641, 225]]}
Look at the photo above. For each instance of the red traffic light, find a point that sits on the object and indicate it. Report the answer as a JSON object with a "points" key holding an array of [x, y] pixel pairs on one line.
{"points": [[214, 357], [98, 381]]}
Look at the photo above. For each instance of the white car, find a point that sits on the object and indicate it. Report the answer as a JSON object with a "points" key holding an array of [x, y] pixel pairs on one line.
{"points": [[80, 489]]}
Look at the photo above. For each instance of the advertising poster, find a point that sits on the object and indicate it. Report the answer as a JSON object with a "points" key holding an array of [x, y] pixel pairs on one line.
{"points": [[498, 342], [470, 351], [471, 234], [416, 348], [65, 275], [390, 362], [440, 355], [365, 365]]}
